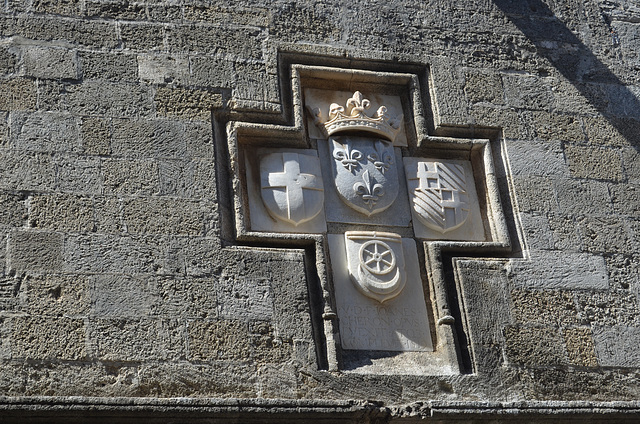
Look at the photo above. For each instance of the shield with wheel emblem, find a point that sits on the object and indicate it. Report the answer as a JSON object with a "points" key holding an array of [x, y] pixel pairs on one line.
{"points": [[376, 263]]}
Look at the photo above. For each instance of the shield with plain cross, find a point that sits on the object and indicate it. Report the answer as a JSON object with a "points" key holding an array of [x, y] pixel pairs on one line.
{"points": [[291, 186]]}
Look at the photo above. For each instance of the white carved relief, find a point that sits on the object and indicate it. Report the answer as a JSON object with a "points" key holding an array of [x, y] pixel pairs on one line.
{"points": [[440, 199], [376, 263], [291, 186], [401, 322], [443, 199], [360, 173], [352, 117]]}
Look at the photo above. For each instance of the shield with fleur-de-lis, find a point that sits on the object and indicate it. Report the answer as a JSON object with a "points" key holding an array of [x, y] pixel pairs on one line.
{"points": [[365, 172]]}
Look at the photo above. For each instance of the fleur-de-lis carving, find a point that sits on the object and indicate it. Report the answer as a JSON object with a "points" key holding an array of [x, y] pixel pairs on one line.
{"points": [[358, 104], [335, 109], [369, 190], [347, 156], [381, 157]]}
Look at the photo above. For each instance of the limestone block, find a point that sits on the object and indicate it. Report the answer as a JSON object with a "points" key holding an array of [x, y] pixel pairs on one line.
{"points": [[163, 69], [548, 270], [187, 298], [95, 136], [537, 231], [148, 138], [113, 254], [130, 177], [57, 295], [580, 347], [617, 346], [113, 339], [183, 103], [397, 324], [534, 347], [199, 139], [610, 131], [514, 124], [595, 163], [527, 91], [116, 10], [59, 338], [631, 160], [624, 271], [108, 66], [245, 42], [142, 36], [78, 174], [535, 194], [209, 379], [443, 199], [164, 216], [606, 234], [62, 212], [219, 340], [63, 7], [13, 209], [554, 126], [108, 215], [484, 295], [484, 87], [610, 308], [44, 131], [555, 308], [96, 98], [35, 251], [18, 94], [253, 16], [51, 63], [566, 232], [114, 296], [8, 60], [206, 71], [93, 34], [244, 298], [536, 158], [27, 171], [583, 197]]}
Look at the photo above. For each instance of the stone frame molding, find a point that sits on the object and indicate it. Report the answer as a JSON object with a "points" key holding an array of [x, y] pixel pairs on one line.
{"points": [[244, 138]]}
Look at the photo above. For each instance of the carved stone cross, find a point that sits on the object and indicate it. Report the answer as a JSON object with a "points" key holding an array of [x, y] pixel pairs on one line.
{"points": [[358, 178]]}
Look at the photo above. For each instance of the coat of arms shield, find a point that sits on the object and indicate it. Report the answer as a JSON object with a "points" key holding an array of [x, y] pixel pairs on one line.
{"points": [[376, 263], [365, 174], [439, 195], [291, 186]]}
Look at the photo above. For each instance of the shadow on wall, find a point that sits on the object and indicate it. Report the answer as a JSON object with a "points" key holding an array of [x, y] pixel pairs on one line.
{"points": [[575, 61]]}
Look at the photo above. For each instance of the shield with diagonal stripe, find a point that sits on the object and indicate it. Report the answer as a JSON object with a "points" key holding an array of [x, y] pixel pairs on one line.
{"points": [[439, 195]]}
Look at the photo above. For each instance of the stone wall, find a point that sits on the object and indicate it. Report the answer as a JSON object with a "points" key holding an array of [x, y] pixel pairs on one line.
{"points": [[120, 272]]}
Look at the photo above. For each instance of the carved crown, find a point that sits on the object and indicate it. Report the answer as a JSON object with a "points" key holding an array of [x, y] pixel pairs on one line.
{"points": [[351, 117]]}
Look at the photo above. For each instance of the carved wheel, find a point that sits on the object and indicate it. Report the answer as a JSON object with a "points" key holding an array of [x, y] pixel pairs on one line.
{"points": [[377, 257]]}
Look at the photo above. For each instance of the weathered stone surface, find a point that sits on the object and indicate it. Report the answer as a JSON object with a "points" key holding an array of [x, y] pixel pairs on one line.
{"points": [[186, 103], [609, 308], [18, 94], [583, 197], [136, 339], [617, 346], [109, 66], [557, 127], [52, 63], [130, 177], [35, 251], [58, 338], [595, 163], [148, 139], [535, 347], [544, 308], [57, 295], [95, 136], [580, 348], [62, 212], [13, 209], [483, 87], [537, 158], [547, 270]]}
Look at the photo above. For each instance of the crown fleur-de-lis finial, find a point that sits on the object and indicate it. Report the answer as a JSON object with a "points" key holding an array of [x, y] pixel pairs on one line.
{"points": [[353, 118]]}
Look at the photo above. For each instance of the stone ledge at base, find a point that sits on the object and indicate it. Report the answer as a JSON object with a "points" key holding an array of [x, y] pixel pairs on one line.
{"points": [[44, 409]]}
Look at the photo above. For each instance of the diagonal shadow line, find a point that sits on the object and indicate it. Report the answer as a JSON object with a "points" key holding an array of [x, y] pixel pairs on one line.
{"points": [[578, 64]]}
